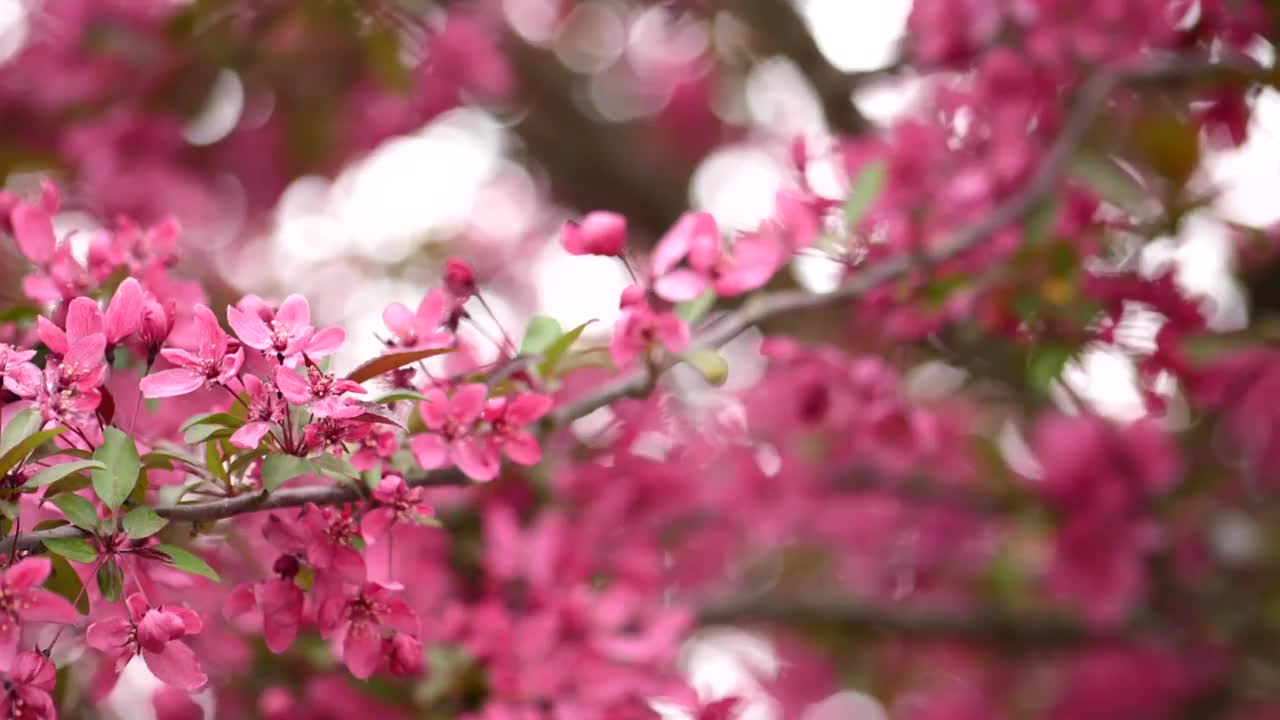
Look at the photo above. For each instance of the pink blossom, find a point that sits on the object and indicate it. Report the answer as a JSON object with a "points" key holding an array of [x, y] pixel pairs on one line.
{"points": [[508, 417], [639, 329], [453, 437], [397, 503], [422, 329], [23, 601], [696, 238], [215, 361], [154, 633], [265, 410], [360, 623], [28, 688], [321, 390], [598, 233], [280, 600], [287, 333]]}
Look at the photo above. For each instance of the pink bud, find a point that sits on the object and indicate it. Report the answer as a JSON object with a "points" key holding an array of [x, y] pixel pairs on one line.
{"points": [[631, 295], [157, 323], [459, 278], [405, 655], [599, 233]]}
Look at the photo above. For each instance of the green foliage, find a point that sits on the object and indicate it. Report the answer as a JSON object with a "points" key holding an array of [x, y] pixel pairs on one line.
{"points": [[119, 456], [74, 549]]}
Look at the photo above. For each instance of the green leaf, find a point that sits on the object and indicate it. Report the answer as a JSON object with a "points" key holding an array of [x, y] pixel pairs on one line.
{"points": [[200, 433], [552, 355], [187, 561], [391, 361], [79, 511], [710, 363], [213, 462], [120, 456], [19, 427], [68, 484], [143, 522], [110, 580], [280, 469], [400, 395], [54, 473], [24, 447], [1046, 365], [866, 188], [220, 419], [541, 333], [73, 549], [65, 581], [335, 467], [691, 311]]}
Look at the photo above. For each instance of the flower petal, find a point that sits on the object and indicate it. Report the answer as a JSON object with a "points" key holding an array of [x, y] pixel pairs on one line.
{"points": [[250, 328], [171, 383], [176, 665], [34, 232]]}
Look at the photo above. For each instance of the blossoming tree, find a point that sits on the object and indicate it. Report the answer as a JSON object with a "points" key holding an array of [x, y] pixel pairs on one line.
{"points": [[190, 479]]}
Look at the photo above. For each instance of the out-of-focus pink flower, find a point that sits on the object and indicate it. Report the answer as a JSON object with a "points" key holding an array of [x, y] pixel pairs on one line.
{"points": [[696, 238], [598, 233], [23, 601], [397, 503], [28, 688], [359, 624], [639, 328], [508, 417], [419, 330], [154, 633]]}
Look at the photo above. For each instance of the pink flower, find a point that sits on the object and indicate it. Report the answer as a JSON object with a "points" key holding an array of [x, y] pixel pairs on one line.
{"points": [[15, 363], [360, 623], [398, 503], [453, 438], [599, 233], [288, 333], [280, 600], [22, 600], [216, 360], [639, 328], [331, 542], [696, 238], [321, 389], [265, 409], [154, 633], [81, 346], [508, 417], [33, 229], [420, 330], [28, 688]]}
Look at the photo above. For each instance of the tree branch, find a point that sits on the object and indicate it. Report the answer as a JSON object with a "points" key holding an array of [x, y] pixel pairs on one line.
{"points": [[1037, 629], [222, 508], [1090, 101]]}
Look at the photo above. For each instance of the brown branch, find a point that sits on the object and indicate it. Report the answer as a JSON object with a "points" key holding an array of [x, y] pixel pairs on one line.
{"points": [[223, 508], [1022, 628]]}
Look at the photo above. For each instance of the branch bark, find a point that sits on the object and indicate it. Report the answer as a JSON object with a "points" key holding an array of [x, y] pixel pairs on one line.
{"points": [[1038, 629]]}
